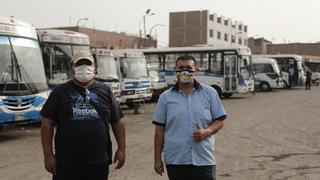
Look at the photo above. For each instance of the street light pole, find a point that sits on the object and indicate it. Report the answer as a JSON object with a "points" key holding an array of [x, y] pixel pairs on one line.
{"points": [[144, 23], [78, 22], [154, 27]]}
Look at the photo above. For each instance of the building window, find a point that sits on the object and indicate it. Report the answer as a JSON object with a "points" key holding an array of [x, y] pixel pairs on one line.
{"points": [[211, 33], [245, 42], [226, 22], [226, 37], [219, 35], [233, 39], [211, 17], [240, 27], [245, 28], [219, 20], [240, 40]]}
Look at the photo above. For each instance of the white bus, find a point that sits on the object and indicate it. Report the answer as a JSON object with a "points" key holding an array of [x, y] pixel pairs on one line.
{"points": [[285, 61], [314, 66], [107, 71], [158, 82], [23, 86], [228, 70], [267, 75], [58, 47], [135, 85]]}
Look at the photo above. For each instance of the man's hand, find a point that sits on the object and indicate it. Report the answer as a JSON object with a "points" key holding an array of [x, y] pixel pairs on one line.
{"points": [[201, 133], [50, 164], [158, 167], [119, 157]]}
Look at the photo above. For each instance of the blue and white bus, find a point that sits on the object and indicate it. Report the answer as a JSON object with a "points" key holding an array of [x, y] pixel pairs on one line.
{"points": [[135, 81], [23, 86], [58, 47], [228, 70]]}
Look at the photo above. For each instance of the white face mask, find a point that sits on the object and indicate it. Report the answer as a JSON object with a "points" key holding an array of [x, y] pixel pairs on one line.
{"points": [[84, 73]]}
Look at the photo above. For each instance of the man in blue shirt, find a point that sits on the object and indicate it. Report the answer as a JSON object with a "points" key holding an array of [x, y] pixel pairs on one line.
{"points": [[186, 117]]}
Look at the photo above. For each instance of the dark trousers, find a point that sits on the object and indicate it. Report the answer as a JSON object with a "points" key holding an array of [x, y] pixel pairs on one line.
{"points": [[67, 171], [308, 84], [191, 172]]}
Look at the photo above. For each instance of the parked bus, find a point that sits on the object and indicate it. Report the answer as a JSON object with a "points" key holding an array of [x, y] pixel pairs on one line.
{"points": [[314, 66], [158, 82], [107, 71], [135, 85], [287, 61], [228, 70], [58, 47], [267, 75], [23, 86]]}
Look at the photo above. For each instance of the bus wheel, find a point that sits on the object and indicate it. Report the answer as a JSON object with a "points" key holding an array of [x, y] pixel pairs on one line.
{"points": [[217, 88], [265, 86], [227, 95]]}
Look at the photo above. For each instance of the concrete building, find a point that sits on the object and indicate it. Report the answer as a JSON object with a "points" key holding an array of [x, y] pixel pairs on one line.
{"points": [[259, 45], [112, 40], [309, 49], [200, 27]]}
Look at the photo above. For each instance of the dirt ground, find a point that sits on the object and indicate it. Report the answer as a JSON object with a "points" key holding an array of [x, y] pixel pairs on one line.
{"points": [[273, 135]]}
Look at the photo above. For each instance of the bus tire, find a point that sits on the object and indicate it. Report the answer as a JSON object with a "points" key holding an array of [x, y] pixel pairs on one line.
{"points": [[264, 86], [218, 89], [227, 95]]}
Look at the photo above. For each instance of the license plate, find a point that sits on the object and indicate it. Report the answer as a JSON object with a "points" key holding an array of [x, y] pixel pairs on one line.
{"points": [[140, 96], [19, 117]]}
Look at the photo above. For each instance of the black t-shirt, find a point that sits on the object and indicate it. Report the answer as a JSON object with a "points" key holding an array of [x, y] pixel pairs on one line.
{"points": [[82, 118]]}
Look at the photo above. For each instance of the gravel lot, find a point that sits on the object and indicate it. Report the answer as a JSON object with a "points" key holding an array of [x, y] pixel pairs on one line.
{"points": [[273, 135]]}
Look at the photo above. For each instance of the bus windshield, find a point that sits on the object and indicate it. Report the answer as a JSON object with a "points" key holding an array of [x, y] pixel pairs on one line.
{"points": [[134, 67], [246, 66], [313, 66], [106, 68], [21, 70], [78, 48]]}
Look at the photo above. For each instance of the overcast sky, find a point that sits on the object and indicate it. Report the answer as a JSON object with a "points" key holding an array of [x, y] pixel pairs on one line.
{"points": [[277, 20]]}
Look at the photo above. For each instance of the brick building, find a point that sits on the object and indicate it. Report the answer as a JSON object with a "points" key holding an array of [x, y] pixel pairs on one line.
{"points": [[310, 49], [200, 27], [112, 40], [259, 45]]}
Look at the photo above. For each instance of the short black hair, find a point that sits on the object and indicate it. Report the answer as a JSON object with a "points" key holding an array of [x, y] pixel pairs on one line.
{"points": [[186, 57]]}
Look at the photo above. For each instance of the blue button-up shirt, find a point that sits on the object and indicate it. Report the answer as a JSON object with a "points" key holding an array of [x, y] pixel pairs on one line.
{"points": [[180, 115]]}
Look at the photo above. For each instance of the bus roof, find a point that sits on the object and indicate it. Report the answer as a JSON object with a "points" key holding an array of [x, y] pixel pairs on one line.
{"points": [[257, 60], [128, 52], [241, 49], [62, 36], [14, 27], [295, 56]]}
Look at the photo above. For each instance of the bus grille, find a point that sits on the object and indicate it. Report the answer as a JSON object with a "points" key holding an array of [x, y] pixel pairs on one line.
{"points": [[18, 103]]}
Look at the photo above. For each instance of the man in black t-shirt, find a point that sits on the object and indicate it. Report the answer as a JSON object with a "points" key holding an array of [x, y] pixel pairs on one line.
{"points": [[82, 110]]}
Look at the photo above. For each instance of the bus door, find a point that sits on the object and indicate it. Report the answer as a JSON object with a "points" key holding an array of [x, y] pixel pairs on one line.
{"points": [[230, 73]]}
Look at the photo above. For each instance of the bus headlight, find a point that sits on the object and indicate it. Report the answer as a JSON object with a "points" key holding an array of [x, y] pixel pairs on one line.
{"points": [[130, 92]]}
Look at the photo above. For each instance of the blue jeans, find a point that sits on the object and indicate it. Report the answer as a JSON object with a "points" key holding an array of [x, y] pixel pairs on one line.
{"points": [[191, 172]]}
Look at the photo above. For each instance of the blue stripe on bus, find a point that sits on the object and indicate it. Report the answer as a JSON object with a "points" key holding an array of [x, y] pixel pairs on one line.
{"points": [[136, 87], [137, 82], [200, 73]]}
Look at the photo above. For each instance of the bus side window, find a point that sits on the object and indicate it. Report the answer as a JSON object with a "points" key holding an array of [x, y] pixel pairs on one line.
{"points": [[216, 63]]}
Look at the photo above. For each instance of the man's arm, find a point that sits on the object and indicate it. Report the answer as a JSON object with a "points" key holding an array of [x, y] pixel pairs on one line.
{"points": [[46, 140], [120, 135], [158, 146], [214, 127]]}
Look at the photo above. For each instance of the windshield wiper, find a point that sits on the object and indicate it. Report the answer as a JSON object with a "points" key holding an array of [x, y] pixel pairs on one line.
{"points": [[16, 79]]}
